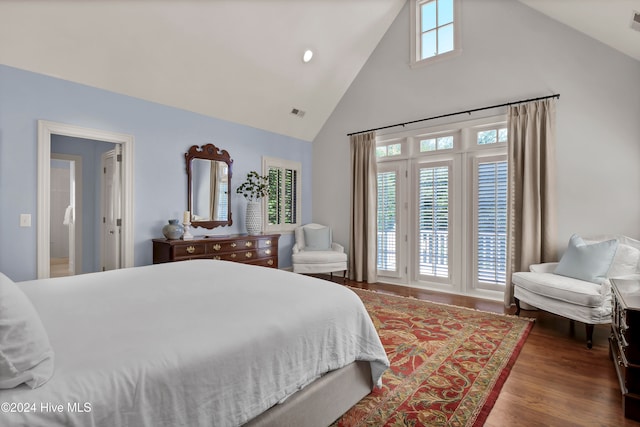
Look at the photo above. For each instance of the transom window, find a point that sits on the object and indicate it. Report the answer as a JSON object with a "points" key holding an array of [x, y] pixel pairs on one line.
{"points": [[434, 28], [435, 144], [389, 150], [492, 136]]}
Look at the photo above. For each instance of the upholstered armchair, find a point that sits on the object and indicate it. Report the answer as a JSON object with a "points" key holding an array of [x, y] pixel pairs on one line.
{"points": [[577, 287], [315, 251]]}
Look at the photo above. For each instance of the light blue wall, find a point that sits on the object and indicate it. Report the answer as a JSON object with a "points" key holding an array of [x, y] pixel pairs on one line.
{"points": [[91, 153], [162, 136]]}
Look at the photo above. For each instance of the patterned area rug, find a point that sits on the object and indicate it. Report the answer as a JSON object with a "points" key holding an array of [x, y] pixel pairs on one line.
{"points": [[448, 363]]}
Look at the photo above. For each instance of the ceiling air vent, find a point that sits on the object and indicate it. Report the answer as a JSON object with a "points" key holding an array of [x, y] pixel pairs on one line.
{"points": [[297, 112], [635, 22]]}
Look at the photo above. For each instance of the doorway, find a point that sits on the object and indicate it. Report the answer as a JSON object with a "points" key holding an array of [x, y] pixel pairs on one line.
{"points": [[48, 129]]}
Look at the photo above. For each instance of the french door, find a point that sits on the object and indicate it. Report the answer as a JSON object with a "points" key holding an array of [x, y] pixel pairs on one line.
{"points": [[442, 210]]}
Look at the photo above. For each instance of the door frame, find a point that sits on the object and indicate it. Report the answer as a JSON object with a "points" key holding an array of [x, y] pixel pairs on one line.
{"points": [[45, 130]]}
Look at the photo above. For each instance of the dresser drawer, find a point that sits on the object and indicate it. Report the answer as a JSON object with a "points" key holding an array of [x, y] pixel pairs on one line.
{"points": [[265, 262], [233, 246], [189, 250], [267, 243]]}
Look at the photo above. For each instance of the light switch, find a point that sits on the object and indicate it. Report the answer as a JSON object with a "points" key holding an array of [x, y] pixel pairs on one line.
{"points": [[25, 220]]}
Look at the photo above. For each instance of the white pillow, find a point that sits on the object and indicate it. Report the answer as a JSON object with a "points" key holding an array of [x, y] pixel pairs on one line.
{"points": [[25, 353], [587, 262]]}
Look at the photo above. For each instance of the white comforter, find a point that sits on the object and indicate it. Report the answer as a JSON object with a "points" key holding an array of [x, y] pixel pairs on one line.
{"points": [[194, 343]]}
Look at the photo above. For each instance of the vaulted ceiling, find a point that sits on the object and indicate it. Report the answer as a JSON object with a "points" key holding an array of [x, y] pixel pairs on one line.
{"points": [[237, 60]]}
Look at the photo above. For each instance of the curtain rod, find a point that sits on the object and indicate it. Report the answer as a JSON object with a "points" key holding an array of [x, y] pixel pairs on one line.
{"points": [[557, 95]]}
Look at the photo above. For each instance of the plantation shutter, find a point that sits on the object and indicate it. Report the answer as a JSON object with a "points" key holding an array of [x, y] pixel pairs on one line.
{"points": [[282, 202], [491, 222], [433, 222], [273, 205], [290, 202], [387, 211]]}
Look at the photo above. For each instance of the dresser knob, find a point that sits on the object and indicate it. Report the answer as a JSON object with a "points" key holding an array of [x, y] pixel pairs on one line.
{"points": [[233, 244], [270, 262], [268, 243], [191, 249], [233, 255], [216, 257], [216, 247], [268, 251], [248, 254], [248, 244]]}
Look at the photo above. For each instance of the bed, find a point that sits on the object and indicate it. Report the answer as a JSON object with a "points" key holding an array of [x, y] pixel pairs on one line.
{"points": [[194, 343]]}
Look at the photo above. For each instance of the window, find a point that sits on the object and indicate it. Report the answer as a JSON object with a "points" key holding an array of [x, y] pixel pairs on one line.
{"points": [[444, 227], [389, 150], [492, 136], [283, 204], [434, 29], [434, 144]]}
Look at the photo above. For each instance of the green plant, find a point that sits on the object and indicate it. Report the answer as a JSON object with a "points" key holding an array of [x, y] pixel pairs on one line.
{"points": [[254, 187]]}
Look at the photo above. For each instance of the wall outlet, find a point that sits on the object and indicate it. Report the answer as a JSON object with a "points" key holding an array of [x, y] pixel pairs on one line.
{"points": [[25, 220]]}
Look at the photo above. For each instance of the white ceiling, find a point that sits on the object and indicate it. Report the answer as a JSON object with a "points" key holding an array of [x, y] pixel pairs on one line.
{"points": [[237, 60]]}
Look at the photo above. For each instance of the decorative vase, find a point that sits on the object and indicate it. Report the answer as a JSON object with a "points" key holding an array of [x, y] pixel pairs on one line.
{"points": [[253, 218], [173, 230]]}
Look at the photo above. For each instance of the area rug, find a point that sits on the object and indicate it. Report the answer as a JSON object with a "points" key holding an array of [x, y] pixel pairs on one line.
{"points": [[448, 363]]}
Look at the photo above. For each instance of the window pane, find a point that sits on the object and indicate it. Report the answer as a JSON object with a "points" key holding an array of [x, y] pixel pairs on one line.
{"points": [[428, 16], [487, 137], [502, 135], [445, 11], [445, 39], [387, 203], [433, 202], [395, 149], [429, 44], [381, 151], [445, 143], [428, 145], [491, 222]]}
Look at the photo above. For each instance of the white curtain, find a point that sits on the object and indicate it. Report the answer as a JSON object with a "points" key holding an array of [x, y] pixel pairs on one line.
{"points": [[363, 228], [532, 187]]}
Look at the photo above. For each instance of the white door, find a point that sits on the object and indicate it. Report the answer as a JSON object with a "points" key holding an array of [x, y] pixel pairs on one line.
{"points": [[111, 209]]}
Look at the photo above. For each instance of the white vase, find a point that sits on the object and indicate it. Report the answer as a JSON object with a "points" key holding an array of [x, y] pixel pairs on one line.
{"points": [[253, 218]]}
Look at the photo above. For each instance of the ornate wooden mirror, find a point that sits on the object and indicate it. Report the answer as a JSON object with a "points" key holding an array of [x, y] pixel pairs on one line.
{"points": [[209, 186]]}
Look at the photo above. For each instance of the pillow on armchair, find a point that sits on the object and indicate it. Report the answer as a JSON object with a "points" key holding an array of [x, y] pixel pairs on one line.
{"points": [[317, 239], [587, 262]]}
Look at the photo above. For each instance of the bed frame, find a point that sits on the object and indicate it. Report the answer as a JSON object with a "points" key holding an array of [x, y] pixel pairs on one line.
{"points": [[321, 402]]}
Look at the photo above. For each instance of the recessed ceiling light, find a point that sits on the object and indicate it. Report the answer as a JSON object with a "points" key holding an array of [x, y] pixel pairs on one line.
{"points": [[308, 54]]}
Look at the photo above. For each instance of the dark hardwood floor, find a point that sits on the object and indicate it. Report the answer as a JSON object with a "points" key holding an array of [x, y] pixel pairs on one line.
{"points": [[556, 380]]}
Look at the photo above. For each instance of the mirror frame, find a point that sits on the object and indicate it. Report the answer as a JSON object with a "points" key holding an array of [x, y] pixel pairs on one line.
{"points": [[208, 152]]}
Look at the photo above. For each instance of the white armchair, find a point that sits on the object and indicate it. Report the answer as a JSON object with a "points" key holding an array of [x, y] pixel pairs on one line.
{"points": [[578, 286], [315, 251]]}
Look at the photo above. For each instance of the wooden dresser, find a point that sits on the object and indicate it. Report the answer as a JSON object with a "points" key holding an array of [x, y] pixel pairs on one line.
{"points": [[255, 249], [624, 342]]}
